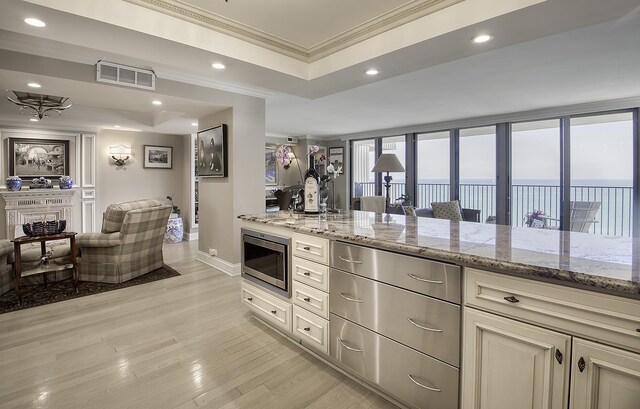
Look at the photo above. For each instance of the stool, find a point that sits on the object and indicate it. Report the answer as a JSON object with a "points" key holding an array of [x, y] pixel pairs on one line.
{"points": [[175, 229]]}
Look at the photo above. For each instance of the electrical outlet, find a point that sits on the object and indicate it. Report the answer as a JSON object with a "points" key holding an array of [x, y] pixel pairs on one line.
{"points": [[213, 252]]}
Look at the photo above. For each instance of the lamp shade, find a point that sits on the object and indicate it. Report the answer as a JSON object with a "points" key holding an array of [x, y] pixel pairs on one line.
{"points": [[120, 150], [388, 162]]}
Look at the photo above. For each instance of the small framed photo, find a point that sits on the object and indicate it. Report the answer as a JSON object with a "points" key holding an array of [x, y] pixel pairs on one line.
{"points": [[158, 157], [32, 158]]}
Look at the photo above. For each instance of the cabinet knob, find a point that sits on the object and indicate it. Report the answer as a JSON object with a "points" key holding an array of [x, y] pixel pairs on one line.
{"points": [[307, 329], [273, 311], [250, 299], [307, 248], [559, 356], [512, 299], [307, 299], [581, 364], [308, 274]]}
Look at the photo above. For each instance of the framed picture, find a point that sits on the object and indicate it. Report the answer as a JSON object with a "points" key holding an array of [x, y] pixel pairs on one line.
{"points": [[31, 158], [336, 157], [158, 157], [212, 152], [270, 168]]}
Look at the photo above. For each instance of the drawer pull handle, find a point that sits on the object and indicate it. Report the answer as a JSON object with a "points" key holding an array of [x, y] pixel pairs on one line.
{"points": [[346, 260], [348, 347], [307, 248], [424, 280], [307, 299], [349, 298], [512, 299], [250, 299], [424, 386], [307, 329], [637, 329], [273, 311], [423, 327], [559, 356], [307, 273]]}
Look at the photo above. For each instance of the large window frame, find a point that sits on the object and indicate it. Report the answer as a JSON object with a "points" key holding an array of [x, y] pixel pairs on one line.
{"points": [[503, 161]]}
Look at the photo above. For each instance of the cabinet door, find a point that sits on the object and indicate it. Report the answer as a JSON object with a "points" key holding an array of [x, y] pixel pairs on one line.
{"points": [[604, 377], [507, 364]]}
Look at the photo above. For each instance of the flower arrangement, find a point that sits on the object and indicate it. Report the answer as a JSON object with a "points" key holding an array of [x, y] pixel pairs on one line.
{"points": [[284, 156], [534, 219]]}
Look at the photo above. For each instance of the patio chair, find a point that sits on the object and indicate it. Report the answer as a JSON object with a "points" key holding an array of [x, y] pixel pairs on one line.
{"points": [[583, 215]]}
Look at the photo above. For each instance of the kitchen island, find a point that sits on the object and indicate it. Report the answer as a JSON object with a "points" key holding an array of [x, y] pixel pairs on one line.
{"points": [[561, 308]]}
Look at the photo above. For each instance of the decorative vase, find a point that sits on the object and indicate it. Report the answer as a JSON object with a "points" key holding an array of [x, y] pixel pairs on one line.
{"points": [[14, 183], [65, 182]]}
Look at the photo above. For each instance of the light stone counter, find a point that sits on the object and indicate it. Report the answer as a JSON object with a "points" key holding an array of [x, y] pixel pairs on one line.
{"points": [[599, 263]]}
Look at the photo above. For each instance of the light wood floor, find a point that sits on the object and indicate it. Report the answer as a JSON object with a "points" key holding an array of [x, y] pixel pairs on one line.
{"points": [[183, 342]]}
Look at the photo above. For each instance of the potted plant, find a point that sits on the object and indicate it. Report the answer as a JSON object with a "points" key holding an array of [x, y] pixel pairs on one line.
{"points": [[176, 209]]}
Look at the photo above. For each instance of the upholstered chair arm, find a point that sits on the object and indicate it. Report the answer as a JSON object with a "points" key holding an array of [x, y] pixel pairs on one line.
{"points": [[6, 248], [99, 239]]}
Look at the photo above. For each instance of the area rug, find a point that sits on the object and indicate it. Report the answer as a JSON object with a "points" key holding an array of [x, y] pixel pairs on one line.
{"points": [[35, 295]]}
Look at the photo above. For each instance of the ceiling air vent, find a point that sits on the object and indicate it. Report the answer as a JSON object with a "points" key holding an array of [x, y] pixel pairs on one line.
{"points": [[113, 73]]}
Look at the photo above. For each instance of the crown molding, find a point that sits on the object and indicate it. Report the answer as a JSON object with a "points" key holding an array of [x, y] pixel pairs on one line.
{"points": [[394, 18]]}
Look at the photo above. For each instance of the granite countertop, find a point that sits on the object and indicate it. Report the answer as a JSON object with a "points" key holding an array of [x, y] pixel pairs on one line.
{"points": [[599, 263]]}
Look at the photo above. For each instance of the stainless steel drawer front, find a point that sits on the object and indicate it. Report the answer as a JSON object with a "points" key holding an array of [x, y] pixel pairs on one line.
{"points": [[403, 372], [428, 277], [429, 325]]}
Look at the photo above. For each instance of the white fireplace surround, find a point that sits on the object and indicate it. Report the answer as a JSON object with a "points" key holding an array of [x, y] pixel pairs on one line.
{"points": [[27, 206]]}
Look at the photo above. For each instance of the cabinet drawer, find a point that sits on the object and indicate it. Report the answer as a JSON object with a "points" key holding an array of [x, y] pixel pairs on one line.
{"points": [[600, 317], [403, 372], [428, 277], [311, 299], [267, 306], [311, 329], [311, 248], [429, 325], [310, 273]]}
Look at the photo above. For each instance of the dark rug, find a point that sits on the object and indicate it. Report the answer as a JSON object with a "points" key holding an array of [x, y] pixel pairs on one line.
{"points": [[35, 295]]}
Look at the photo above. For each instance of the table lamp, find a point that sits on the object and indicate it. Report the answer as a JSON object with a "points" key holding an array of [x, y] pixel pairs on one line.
{"points": [[387, 162]]}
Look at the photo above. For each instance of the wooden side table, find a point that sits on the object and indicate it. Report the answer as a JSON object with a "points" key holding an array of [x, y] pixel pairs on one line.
{"points": [[19, 273]]}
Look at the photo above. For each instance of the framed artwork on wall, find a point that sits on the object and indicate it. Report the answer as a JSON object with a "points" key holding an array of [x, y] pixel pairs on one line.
{"points": [[212, 152], [158, 157], [270, 168], [32, 158], [336, 157]]}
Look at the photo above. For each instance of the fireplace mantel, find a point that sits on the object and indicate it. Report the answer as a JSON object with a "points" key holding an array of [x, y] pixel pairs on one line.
{"points": [[27, 206]]}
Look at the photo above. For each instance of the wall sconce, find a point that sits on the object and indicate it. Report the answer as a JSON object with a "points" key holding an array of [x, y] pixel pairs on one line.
{"points": [[120, 154]]}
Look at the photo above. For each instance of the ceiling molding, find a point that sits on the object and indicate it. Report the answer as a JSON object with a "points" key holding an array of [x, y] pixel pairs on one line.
{"points": [[394, 18]]}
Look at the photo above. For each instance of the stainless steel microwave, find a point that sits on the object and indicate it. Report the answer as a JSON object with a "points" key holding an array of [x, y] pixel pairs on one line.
{"points": [[266, 261]]}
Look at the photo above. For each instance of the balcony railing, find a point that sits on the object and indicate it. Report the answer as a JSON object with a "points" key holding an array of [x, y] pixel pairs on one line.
{"points": [[615, 217]]}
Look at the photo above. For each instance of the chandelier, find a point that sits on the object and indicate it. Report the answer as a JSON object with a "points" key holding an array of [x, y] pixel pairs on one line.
{"points": [[40, 104]]}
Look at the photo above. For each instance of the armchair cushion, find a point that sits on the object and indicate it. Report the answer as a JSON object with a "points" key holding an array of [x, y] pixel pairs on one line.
{"points": [[447, 210], [99, 239], [114, 215]]}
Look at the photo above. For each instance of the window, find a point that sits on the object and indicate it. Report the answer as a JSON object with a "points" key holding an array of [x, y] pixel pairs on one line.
{"points": [[432, 168], [363, 159], [535, 173], [478, 170], [602, 174], [397, 146]]}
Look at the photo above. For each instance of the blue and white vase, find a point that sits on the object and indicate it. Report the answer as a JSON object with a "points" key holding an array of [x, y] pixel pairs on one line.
{"points": [[175, 229], [65, 182], [14, 183]]}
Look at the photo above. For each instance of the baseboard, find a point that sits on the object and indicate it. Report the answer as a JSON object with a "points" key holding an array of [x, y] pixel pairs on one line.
{"points": [[216, 262], [190, 236]]}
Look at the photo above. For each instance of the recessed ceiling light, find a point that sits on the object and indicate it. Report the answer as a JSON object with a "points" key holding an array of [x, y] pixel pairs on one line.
{"points": [[482, 38], [33, 119], [372, 71], [156, 102], [35, 22], [116, 126], [34, 85], [194, 124], [218, 65]]}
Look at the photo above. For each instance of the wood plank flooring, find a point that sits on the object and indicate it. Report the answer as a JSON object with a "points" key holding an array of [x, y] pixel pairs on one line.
{"points": [[185, 342]]}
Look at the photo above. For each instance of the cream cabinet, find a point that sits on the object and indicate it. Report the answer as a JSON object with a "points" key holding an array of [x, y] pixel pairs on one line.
{"points": [[604, 377], [509, 364]]}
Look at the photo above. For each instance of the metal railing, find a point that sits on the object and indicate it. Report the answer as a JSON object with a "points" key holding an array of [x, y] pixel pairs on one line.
{"points": [[615, 217]]}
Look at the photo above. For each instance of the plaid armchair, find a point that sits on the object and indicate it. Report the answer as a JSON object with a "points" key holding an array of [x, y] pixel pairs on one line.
{"points": [[6, 272], [129, 245]]}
